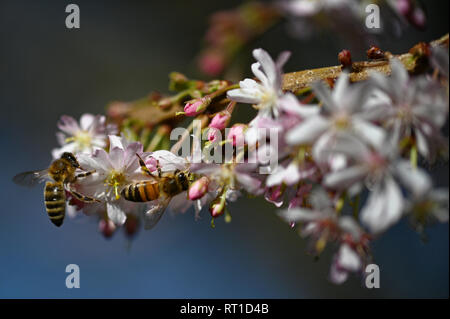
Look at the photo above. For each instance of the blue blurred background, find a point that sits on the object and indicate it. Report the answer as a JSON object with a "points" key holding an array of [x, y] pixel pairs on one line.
{"points": [[124, 50]]}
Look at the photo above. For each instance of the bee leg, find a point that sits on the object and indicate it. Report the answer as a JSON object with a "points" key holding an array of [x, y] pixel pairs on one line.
{"points": [[158, 167], [84, 198], [145, 169], [85, 174]]}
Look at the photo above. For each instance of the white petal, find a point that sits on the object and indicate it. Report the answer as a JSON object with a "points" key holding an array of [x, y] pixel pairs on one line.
{"points": [[416, 180], [299, 214], [169, 161], [340, 87], [116, 141], [267, 65], [99, 161], [115, 213], [290, 104], [307, 131], [256, 69], [384, 207], [399, 75], [248, 96], [68, 125], [345, 178], [371, 133], [422, 145], [348, 258], [86, 121], [324, 94], [337, 274]]}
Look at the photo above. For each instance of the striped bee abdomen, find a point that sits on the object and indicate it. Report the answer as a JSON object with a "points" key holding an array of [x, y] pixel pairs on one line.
{"points": [[145, 191], [55, 202]]}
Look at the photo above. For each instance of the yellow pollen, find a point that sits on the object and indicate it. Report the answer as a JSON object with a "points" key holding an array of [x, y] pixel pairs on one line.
{"points": [[115, 180], [341, 121], [82, 138]]}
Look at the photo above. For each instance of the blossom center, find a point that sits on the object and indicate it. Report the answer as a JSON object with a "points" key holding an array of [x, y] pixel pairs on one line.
{"points": [[268, 99], [114, 180], [82, 138], [341, 121], [404, 113]]}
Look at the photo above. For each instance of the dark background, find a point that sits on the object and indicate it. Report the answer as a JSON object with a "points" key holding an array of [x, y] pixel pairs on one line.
{"points": [[124, 50]]}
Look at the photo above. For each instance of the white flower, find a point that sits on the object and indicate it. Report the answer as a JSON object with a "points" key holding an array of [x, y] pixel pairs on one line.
{"points": [[417, 106], [90, 134], [342, 116], [345, 261], [234, 177], [113, 171], [266, 93], [320, 222], [428, 207], [379, 170], [291, 174]]}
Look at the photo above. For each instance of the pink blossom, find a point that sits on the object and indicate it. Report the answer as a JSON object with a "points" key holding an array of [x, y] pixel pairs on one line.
{"points": [[198, 188], [236, 134], [220, 120], [213, 134], [106, 227]]}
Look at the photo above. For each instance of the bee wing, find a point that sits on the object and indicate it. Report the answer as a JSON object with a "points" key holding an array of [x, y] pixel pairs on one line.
{"points": [[154, 214], [30, 179]]}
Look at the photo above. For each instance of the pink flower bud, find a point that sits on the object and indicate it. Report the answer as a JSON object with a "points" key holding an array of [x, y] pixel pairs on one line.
{"points": [[195, 107], [213, 134], [236, 134], [199, 188], [345, 58], [418, 18], [220, 120], [403, 7], [106, 227], [131, 225], [151, 163], [217, 208], [211, 63]]}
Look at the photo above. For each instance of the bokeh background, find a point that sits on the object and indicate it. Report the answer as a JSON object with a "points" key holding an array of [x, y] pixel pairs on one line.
{"points": [[124, 50]]}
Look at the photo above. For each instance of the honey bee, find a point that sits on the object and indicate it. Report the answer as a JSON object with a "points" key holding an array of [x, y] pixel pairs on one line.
{"points": [[160, 187], [61, 172]]}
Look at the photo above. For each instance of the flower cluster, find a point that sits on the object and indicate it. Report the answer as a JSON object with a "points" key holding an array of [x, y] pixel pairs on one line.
{"points": [[347, 156]]}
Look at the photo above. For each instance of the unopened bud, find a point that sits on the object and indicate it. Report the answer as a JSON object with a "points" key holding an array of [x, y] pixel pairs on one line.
{"points": [[220, 120], [197, 106], [375, 53], [131, 225], [199, 188], [106, 227], [217, 207], [236, 134], [345, 58], [213, 134], [211, 63]]}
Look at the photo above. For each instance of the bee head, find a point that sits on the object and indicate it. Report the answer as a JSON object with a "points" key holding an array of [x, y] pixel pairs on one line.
{"points": [[71, 159], [183, 180]]}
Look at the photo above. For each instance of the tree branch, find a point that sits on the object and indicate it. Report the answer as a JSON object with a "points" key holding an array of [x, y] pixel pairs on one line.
{"points": [[360, 70]]}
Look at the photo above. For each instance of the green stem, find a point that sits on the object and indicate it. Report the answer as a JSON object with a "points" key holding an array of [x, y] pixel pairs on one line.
{"points": [[413, 157]]}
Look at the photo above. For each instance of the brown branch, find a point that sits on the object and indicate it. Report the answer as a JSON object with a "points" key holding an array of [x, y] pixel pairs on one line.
{"points": [[149, 111], [360, 70]]}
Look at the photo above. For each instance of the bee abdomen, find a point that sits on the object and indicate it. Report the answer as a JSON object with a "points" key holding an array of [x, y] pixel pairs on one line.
{"points": [[141, 192], [55, 202]]}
